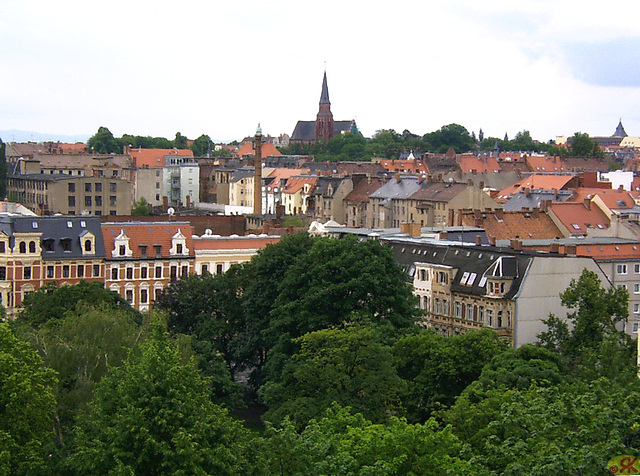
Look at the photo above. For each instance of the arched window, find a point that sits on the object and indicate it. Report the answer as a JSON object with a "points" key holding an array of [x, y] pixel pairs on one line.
{"points": [[87, 245], [32, 247], [23, 247]]}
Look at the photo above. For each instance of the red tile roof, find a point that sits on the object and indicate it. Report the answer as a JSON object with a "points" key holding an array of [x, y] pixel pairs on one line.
{"points": [[472, 163], [268, 150], [543, 182], [578, 218], [282, 173], [155, 157], [545, 164], [149, 234], [501, 225], [613, 199], [408, 166], [294, 184]]}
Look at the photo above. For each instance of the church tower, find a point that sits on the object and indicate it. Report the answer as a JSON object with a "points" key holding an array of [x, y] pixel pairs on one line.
{"points": [[324, 119]]}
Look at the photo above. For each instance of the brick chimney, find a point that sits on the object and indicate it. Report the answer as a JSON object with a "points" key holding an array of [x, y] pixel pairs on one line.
{"points": [[478, 240], [535, 213], [555, 248], [414, 230], [397, 178], [499, 213], [443, 235], [516, 245], [570, 250]]}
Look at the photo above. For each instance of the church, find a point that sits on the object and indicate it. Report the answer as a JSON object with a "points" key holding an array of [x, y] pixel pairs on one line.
{"points": [[324, 127]]}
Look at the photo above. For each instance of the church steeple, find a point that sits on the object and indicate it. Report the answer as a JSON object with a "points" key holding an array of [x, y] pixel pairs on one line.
{"points": [[620, 132], [324, 119]]}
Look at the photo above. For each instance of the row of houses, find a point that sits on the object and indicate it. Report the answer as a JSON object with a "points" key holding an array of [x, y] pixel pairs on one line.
{"points": [[135, 259]]}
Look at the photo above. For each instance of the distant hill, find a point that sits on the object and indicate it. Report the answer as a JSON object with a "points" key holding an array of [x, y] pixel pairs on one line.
{"points": [[14, 135]]}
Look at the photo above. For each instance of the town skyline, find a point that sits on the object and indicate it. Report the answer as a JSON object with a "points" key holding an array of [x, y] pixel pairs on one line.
{"points": [[550, 68]]}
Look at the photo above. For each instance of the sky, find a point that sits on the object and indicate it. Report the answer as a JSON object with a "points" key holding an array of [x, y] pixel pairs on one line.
{"points": [[154, 68]]}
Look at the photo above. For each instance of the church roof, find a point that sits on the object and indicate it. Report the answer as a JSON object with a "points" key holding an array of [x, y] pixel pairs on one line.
{"points": [[306, 130], [620, 132], [324, 95]]}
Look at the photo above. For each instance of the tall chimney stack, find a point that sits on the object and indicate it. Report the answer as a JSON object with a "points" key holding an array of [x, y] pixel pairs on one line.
{"points": [[257, 180]]}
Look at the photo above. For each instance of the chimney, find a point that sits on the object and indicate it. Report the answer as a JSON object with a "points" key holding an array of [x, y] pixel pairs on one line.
{"points": [[415, 230], [492, 240], [478, 240], [544, 205], [481, 185], [621, 188], [555, 248], [404, 227], [535, 212], [443, 235], [555, 193], [470, 183], [527, 191], [266, 228], [397, 178], [570, 250], [420, 179], [516, 245], [499, 213]]}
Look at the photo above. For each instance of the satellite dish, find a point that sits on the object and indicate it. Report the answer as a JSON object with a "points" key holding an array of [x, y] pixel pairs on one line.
{"points": [[170, 211]]}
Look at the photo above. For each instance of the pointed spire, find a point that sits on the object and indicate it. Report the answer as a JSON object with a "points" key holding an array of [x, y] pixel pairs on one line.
{"points": [[620, 132], [324, 95]]}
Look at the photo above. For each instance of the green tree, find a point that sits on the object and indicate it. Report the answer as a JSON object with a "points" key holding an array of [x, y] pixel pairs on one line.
{"points": [[141, 208], [342, 442], [26, 407], [583, 146], [437, 368], [103, 142], [202, 146], [180, 141], [52, 302], [153, 416], [450, 136], [81, 347], [349, 366], [595, 312]]}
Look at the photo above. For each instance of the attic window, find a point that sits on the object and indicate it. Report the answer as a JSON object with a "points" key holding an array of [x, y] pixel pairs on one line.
{"points": [[69, 224], [483, 281], [472, 278], [575, 226], [600, 226], [479, 255], [464, 278], [402, 250], [34, 224], [83, 224]]}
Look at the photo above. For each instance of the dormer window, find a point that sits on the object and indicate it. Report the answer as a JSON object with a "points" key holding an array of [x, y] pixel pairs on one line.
{"points": [[121, 247], [179, 244], [87, 243], [48, 244], [66, 244]]}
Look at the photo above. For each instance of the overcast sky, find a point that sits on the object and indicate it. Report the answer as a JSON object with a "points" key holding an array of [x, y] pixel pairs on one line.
{"points": [[219, 67]]}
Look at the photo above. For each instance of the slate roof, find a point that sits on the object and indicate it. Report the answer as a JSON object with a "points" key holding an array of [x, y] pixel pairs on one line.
{"points": [[489, 180], [322, 186], [306, 130], [521, 200], [149, 234], [438, 191], [482, 261], [58, 228], [397, 188], [242, 173]]}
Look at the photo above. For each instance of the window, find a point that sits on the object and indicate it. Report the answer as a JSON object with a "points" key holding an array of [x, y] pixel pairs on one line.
{"points": [[98, 187], [128, 295], [66, 271], [423, 275], [469, 312], [72, 187], [26, 272], [144, 296], [179, 248], [96, 270], [113, 186], [98, 201], [122, 250], [185, 271], [636, 268], [173, 273], [636, 308], [489, 315], [458, 309], [112, 200], [80, 271], [87, 187], [129, 273], [22, 247], [442, 277], [143, 250], [636, 288], [3, 247], [87, 201], [143, 272], [87, 245], [635, 327], [219, 269], [204, 269], [50, 272], [621, 269], [48, 244], [32, 247], [114, 274], [3, 273], [66, 244], [158, 271]]}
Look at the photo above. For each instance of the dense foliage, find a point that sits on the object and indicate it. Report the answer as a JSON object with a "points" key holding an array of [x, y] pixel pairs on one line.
{"points": [[321, 336]]}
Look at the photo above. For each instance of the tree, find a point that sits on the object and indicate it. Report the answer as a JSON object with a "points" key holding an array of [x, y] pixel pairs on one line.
{"points": [[202, 146], [450, 136], [595, 314], [583, 146], [180, 141], [26, 406], [52, 302], [153, 416], [437, 368], [348, 365], [81, 347], [343, 442], [141, 208], [103, 142]]}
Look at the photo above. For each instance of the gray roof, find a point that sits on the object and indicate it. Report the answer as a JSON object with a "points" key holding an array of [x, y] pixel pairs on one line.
{"points": [[521, 200], [242, 173], [403, 187], [322, 186], [324, 95], [306, 130], [58, 228]]}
